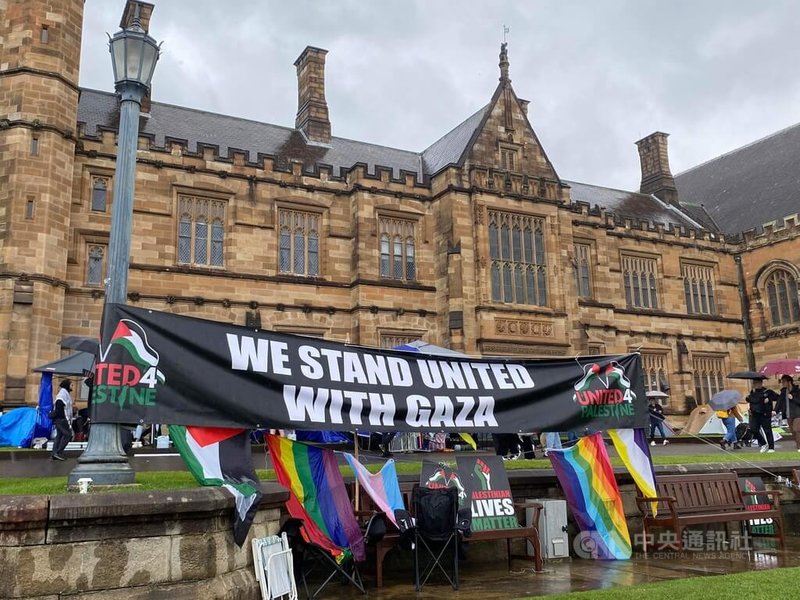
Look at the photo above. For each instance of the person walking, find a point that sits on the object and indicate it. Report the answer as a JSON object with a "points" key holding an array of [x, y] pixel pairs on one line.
{"points": [[789, 406], [761, 401], [729, 418], [62, 419], [552, 441], [657, 422], [386, 443]]}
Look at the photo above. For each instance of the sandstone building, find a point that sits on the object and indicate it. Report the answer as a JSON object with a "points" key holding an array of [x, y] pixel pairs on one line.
{"points": [[476, 243]]}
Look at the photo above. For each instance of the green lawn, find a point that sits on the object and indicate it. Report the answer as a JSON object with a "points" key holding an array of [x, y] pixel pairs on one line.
{"points": [[771, 583], [406, 464]]}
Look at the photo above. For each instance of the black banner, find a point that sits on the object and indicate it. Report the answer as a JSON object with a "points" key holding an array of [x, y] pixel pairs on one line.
{"points": [[157, 367]]}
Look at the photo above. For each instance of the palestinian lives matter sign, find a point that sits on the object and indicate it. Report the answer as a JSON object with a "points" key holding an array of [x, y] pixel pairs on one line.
{"points": [[482, 485], [756, 503], [157, 367]]}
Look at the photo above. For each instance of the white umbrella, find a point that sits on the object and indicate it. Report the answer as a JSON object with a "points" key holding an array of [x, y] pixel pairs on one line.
{"points": [[656, 394]]}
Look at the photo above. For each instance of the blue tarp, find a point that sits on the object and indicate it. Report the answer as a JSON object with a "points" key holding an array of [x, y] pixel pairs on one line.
{"points": [[44, 426], [322, 437], [16, 427]]}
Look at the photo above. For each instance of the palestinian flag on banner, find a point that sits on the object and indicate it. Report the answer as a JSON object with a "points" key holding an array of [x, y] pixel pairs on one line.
{"points": [[133, 338], [219, 456]]}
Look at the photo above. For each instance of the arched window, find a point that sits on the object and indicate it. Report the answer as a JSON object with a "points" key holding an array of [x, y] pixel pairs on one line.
{"points": [[782, 297], [299, 243], [397, 249], [385, 272], [95, 264], [639, 280], [99, 194], [516, 248], [201, 232]]}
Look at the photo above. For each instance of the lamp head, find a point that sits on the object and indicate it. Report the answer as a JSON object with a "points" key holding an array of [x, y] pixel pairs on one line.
{"points": [[133, 56]]}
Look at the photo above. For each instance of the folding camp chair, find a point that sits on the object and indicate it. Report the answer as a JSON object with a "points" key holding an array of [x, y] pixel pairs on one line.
{"points": [[435, 531], [323, 533], [272, 558], [311, 558]]}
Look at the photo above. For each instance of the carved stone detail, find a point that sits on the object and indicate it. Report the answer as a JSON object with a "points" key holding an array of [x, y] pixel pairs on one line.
{"points": [[480, 217], [523, 328]]}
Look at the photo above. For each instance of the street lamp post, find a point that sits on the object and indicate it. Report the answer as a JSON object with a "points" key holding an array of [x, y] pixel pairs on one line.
{"points": [[134, 55]]}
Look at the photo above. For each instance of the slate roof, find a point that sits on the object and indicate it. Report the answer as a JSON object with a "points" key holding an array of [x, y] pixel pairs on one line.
{"points": [[450, 148], [100, 110], [644, 207], [699, 213], [746, 188]]}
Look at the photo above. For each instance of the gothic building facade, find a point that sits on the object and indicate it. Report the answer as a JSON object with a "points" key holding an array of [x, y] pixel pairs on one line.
{"points": [[476, 243]]}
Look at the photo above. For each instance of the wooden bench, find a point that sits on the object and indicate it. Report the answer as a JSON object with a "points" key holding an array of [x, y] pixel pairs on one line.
{"points": [[700, 499], [529, 533]]}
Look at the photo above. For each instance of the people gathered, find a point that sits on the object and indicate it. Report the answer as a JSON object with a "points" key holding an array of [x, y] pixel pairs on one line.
{"points": [[762, 402]]}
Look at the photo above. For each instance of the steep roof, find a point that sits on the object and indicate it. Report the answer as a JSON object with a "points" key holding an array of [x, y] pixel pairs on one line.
{"points": [[644, 207], [100, 110], [450, 148], [743, 189]]}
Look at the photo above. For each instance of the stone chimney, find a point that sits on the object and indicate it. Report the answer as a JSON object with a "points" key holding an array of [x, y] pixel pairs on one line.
{"points": [[656, 176], [137, 10], [312, 109]]}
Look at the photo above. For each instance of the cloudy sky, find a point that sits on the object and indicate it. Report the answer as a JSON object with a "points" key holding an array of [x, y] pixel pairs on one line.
{"points": [[600, 74]]}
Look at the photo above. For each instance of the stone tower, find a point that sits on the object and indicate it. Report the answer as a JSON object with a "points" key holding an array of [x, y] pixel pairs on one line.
{"points": [[38, 115]]}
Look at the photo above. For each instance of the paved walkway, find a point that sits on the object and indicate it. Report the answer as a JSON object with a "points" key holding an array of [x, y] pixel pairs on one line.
{"points": [[492, 581]]}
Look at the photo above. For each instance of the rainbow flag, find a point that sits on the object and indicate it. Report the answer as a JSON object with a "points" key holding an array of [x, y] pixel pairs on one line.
{"points": [[317, 496], [586, 476], [631, 445], [383, 486]]}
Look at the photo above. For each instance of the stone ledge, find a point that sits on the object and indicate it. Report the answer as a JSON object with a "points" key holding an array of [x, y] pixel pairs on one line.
{"points": [[23, 520], [131, 545], [31, 520]]}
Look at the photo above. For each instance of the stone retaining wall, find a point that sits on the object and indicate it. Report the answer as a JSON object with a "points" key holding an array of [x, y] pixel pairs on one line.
{"points": [[177, 545], [131, 545]]}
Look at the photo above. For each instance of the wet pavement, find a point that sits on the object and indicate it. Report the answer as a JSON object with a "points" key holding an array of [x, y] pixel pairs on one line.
{"points": [[480, 580]]}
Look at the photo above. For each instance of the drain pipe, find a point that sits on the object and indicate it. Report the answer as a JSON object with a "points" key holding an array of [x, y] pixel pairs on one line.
{"points": [[748, 343]]}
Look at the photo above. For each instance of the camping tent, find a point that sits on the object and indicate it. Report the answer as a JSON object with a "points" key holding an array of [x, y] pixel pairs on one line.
{"points": [[18, 427], [77, 363]]}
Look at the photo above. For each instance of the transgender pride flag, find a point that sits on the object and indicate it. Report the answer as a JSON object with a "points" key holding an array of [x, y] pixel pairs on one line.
{"points": [[586, 476], [382, 487]]}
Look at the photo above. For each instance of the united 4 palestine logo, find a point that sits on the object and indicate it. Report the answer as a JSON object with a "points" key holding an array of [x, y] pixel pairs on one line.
{"points": [[604, 392], [128, 370]]}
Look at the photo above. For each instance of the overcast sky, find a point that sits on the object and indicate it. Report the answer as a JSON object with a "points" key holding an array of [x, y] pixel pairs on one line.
{"points": [[600, 74]]}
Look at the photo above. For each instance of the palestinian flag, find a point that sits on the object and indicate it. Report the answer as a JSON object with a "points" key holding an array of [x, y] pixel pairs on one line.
{"points": [[133, 338], [219, 456]]}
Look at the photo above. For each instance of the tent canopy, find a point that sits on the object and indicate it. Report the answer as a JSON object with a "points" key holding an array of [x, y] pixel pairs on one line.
{"points": [[426, 348], [74, 364]]}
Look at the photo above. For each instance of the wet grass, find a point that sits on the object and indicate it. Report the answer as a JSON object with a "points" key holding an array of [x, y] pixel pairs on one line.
{"points": [[773, 583], [406, 464]]}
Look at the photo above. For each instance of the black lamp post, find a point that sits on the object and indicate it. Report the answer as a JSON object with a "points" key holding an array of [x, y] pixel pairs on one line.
{"points": [[134, 55]]}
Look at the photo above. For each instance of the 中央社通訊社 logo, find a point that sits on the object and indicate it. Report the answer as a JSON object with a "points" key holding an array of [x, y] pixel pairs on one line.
{"points": [[127, 374]]}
